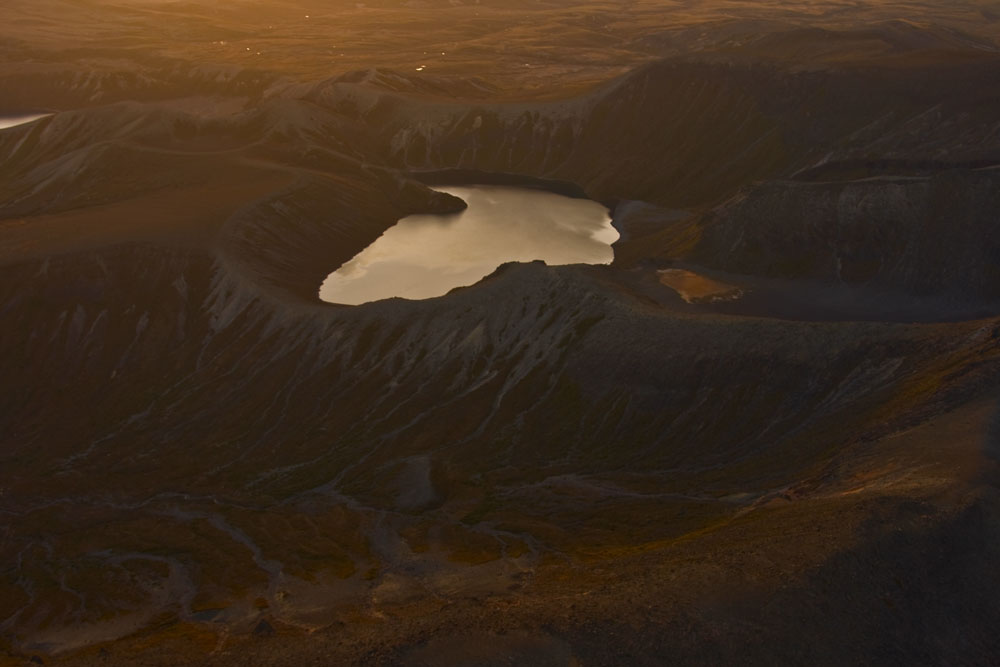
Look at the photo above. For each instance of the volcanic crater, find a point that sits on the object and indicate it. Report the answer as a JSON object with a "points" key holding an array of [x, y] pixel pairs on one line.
{"points": [[203, 462]]}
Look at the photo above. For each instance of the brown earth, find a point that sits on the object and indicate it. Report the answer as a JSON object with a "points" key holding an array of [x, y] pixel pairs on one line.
{"points": [[200, 463]]}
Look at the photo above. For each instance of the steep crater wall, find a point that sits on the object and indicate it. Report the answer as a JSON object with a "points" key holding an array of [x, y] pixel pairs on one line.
{"points": [[925, 235]]}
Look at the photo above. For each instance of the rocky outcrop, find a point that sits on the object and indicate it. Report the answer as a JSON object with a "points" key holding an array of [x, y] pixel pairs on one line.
{"points": [[513, 402], [923, 234]]}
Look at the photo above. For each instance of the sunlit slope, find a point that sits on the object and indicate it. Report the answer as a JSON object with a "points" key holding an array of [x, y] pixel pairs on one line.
{"points": [[72, 53]]}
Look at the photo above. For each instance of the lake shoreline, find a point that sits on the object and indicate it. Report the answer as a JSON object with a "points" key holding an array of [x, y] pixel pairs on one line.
{"points": [[426, 256]]}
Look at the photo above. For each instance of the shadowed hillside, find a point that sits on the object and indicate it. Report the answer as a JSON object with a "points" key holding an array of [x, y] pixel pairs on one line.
{"points": [[202, 463]]}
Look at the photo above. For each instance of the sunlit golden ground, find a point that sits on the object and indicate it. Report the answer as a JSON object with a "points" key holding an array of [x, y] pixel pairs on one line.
{"points": [[517, 49]]}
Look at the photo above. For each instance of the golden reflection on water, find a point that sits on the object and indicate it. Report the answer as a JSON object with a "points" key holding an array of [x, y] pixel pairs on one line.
{"points": [[12, 121], [424, 256]]}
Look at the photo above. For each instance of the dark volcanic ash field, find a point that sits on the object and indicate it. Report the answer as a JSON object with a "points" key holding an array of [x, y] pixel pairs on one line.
{"points": [[202, 463]]}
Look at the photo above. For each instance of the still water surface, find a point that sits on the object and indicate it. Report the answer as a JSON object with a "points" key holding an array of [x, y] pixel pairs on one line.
{"points": [[11, 121], [424, 256]]}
